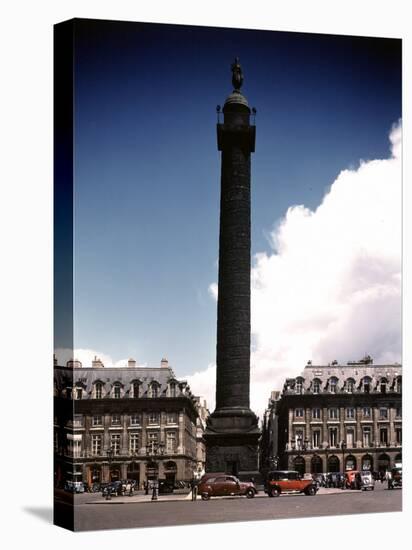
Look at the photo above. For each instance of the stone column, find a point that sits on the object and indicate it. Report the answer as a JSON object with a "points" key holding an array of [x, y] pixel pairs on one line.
{"points": [[342, 435], [124, 450], [308, 433], [358, 435], [376, 434], [142, 471], [106, 434], [290, 427], [391, 434], [181, 432], [325, 426], [144, 432], [232, 430]]}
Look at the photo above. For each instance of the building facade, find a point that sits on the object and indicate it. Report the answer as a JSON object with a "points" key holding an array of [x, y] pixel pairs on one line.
{"points": [[202, 416], [333, 418], [123, 423], [269, 443]]}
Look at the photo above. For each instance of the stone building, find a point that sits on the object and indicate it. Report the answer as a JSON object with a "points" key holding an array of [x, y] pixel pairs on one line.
{"points": [[115, 423], [337, 417], [203, 415], [269, 451]]}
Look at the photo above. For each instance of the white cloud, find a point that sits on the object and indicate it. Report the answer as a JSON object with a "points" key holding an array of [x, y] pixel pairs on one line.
{"points": [[203, 383], [213, 290], [331, 287]]}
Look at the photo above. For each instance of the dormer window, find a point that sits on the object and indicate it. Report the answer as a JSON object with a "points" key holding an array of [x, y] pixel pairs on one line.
{"points": [[154, 390], [299, 386], [116, 390], [316, 385], [98, 390], [136, 389], [366, 384], [350, 385], [383, 385], [333, 384], [172, 389], [399, 384], [79, 393]]}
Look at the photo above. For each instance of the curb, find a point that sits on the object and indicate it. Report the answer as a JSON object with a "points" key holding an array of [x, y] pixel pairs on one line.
{"points": [[185, 499]]}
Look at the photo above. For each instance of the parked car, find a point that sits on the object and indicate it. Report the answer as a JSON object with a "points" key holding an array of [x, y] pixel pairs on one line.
{"points": [[165, 486], [74, 486], [367, 481], [395, 478], [288, 481], [114, 487], [225, 485]]}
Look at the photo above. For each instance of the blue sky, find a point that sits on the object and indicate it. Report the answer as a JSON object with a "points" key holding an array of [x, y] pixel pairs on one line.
{"points": [[147, 168]]}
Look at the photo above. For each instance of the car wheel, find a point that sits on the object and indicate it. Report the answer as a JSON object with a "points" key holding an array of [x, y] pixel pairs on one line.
{"points": [[205, 496], [311, 491], [274, 492], [250, 493]]}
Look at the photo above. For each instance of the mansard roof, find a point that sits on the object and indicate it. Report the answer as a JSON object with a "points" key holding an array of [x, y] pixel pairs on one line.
{"points": [[356, 371], [87, 377]]}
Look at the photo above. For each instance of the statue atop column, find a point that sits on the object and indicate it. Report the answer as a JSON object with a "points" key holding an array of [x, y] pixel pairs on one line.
{"points": [[237, 75]]}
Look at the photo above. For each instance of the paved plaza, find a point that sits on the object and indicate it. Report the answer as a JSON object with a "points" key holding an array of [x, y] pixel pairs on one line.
{"points": [[94, 512]]}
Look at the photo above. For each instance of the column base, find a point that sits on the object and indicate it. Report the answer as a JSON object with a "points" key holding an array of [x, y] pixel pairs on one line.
{"points": [[232, 443]]}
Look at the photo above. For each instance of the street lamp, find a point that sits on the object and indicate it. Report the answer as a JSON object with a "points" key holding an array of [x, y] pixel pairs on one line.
{"points": [[110, 453], [152, 451]]}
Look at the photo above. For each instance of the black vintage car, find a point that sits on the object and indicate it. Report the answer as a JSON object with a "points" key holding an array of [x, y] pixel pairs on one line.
{"points": [[115, 488], [395, 478], [165, 486]]}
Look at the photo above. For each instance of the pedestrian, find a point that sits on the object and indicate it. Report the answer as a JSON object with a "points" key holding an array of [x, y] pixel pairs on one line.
{"points": [[146, 487], [193, 486], [129, 488]]}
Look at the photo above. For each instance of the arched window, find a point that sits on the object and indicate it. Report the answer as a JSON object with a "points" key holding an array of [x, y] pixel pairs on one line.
{"points": [[136, 389], [350, 462], [98, 390], [116, 390], [299, 385], [299, 464], [366, 384], [172, 389], [316, 464], [350, 385], [383, 385], [333, 384], [316, 385], [78, 392], [367, 462], [333, 464], [154, 389]]}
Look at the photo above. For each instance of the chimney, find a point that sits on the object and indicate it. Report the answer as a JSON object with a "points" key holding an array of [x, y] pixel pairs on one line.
{"points": [[96, 363], [164, 363], [74, 364], [131, 363]]}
